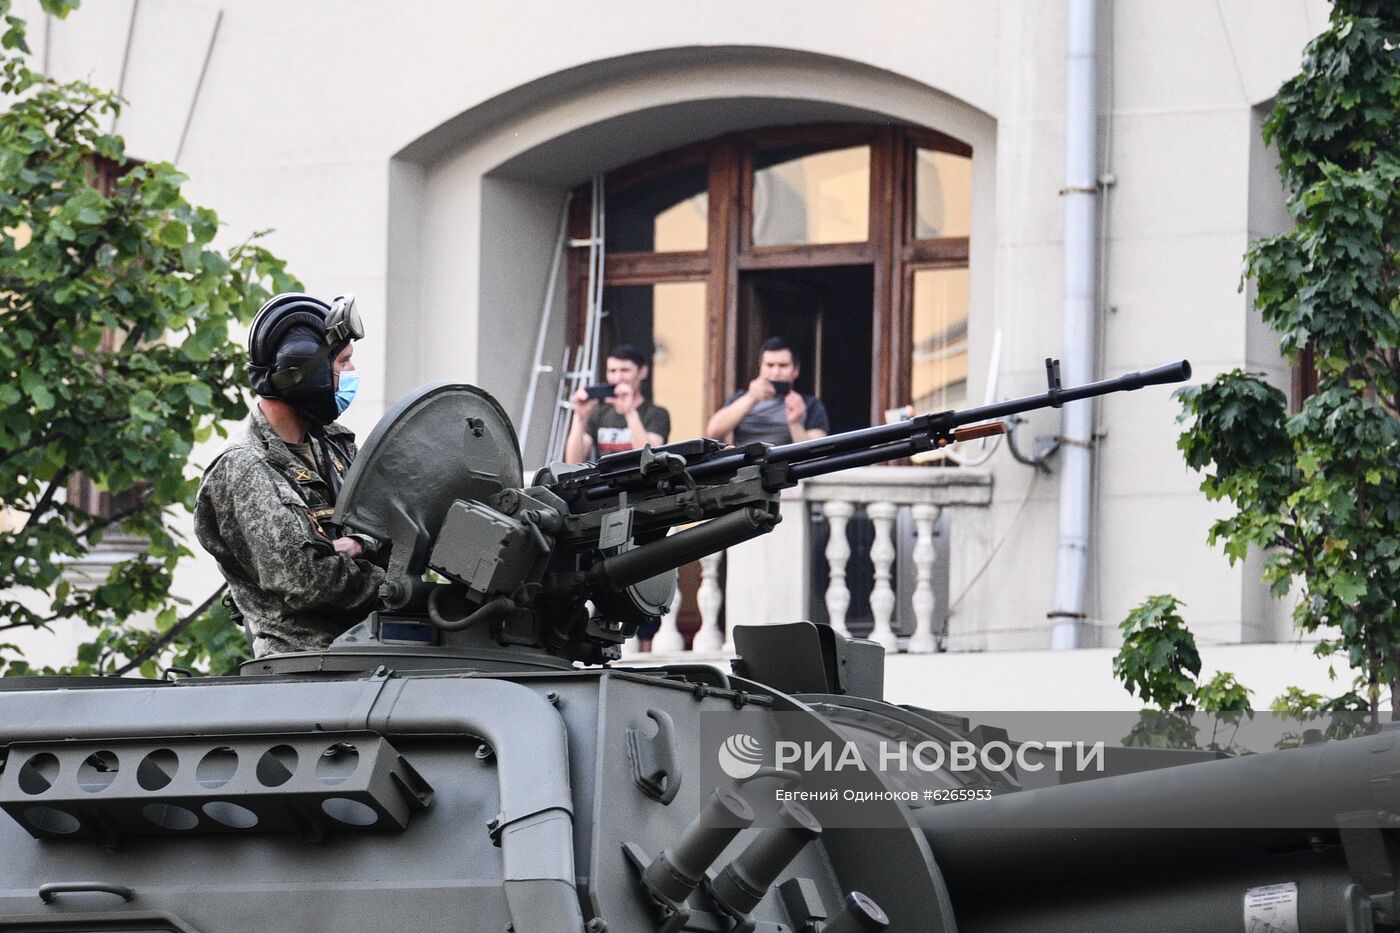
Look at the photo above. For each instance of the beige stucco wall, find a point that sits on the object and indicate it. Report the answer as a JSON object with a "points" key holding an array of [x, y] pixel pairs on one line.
{"points": [[417, 153]]}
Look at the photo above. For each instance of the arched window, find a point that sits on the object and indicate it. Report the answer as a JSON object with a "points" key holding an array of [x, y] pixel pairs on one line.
{"points": [[850, 240]]}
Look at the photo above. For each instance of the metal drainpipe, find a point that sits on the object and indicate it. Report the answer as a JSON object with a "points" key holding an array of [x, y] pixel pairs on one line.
{"points": [[1077, 426]]}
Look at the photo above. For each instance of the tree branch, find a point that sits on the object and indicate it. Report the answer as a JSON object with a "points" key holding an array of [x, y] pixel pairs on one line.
{"points": [[46, 500], [159, 644], [38, 623], [68, 124], [67, 612], [23, 449]]}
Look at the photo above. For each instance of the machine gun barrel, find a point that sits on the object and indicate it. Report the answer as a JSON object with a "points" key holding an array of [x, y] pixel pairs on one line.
{"points": [[944, 422], [1179, 371], [885, 442]]}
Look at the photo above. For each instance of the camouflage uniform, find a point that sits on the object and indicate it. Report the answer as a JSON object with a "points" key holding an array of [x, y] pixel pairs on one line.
{"points": [[266, 518]]}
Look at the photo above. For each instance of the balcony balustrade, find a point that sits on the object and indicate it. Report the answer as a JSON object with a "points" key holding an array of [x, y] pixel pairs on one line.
{"points": [[859, 550]]}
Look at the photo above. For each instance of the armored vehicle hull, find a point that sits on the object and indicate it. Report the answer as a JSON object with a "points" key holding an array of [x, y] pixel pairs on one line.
{"points": [[447, 764], [544, 800]]}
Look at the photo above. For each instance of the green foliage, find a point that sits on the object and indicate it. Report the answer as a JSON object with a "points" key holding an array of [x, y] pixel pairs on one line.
{"points": [[1223, 694], [1337, 718], [116, 360], [213, 642], [1157, 728], [1160, 663], [1318, 491]]}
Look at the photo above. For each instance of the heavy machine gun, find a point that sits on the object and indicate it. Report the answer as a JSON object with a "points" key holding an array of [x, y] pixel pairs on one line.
{"points": [[574, 562]]}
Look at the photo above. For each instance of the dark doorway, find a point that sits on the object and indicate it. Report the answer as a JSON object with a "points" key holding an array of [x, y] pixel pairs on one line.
{"points": [[827, 314]]}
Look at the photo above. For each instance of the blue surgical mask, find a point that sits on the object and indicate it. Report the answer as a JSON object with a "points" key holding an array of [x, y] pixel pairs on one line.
{"points": [[345, 393]]}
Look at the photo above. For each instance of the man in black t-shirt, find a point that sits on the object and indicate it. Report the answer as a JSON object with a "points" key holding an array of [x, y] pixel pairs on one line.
{"points": [[758, 413], [625, 421]]}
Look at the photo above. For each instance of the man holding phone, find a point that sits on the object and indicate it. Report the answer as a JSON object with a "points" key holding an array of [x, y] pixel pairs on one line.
{"points": [[615, 415], [768, 410]]}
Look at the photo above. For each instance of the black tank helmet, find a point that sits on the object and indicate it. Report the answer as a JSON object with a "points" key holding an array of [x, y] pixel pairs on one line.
{"points": [[293, 342]]}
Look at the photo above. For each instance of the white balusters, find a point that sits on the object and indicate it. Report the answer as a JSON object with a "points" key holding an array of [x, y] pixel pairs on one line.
{"points": [[922, 640], [838, 551], [709, 599], [882, 556], [882, 506], [668, 638]]}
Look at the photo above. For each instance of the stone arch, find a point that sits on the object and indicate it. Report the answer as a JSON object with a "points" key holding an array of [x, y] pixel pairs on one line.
{"points": [[475, 203]]}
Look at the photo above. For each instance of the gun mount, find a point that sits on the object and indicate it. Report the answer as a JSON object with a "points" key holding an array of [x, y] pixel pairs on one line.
{"points": [[569, 566]]}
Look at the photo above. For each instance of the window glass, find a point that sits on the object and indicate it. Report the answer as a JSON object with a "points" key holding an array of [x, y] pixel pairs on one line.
{"points": [[802, 195], [668, 215], [942, 194], [667, 321], [940, 339]]}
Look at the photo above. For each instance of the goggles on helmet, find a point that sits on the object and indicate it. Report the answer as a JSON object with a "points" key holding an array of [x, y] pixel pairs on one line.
{"points": [[343, 324]]}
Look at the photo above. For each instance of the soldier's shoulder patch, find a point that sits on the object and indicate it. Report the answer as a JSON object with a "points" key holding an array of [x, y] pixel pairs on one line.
{"points": [[318, 515]]}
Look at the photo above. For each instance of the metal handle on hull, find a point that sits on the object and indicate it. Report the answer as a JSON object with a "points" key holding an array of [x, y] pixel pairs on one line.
{"points": [[49, 892]]}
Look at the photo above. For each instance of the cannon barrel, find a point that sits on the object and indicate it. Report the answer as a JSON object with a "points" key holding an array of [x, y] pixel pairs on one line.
{"points": [[1289, 793]]}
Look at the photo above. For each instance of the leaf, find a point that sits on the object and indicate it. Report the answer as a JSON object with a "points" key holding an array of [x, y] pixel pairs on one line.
{"points": [[190, 255], [172, 234], [1349, 588], [59, 8], [14, 36], [200, 395], [34, 387]]}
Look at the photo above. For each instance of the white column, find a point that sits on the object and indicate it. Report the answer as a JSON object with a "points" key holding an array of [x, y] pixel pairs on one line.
{"points": [[922, 640], [710, 598], [668, 638], [882, 556], [838, 551]]}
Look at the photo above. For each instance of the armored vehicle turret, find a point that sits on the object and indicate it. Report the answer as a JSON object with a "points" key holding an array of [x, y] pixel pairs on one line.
{"points": [[476, 755]]}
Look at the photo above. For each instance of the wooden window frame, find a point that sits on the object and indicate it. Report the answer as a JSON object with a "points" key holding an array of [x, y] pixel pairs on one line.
{"points": [[916, 255], [891, 249], [805, 255]]}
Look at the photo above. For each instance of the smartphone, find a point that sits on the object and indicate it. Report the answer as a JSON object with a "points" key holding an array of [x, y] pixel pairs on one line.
{"points": [[781, 388], [602, 390]]}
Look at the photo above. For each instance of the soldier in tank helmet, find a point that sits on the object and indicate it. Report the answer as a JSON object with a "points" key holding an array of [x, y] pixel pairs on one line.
{"points": [[265, 506]]}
